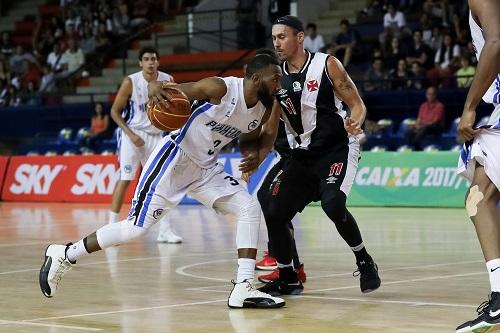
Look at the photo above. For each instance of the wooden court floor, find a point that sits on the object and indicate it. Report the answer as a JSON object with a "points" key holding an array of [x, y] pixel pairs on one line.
{"points": [[433, 275]]}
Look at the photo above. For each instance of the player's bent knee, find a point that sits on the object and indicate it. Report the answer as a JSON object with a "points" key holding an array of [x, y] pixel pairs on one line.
{"points": [[117, 233], [335, 207], [247, 232], [474, 197]]}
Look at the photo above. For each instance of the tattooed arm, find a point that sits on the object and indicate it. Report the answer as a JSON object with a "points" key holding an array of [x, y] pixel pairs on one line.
{"points": [[346, 90]]}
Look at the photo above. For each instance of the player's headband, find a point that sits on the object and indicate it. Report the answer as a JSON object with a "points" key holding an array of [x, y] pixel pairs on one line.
{"points": [[291, 21]]}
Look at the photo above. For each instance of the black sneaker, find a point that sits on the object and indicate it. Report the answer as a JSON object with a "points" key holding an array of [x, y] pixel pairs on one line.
{"points": [[488, 319], [368, 276], [280, 287]]}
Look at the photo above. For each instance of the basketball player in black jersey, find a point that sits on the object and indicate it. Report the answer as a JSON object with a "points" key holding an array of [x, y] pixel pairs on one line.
{"points": [[324, 153]]}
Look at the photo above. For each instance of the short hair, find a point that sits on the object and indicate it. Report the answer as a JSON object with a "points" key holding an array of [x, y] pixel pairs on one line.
{"points": [[268, 52], [260, 61], [311, 25], [344, 21], [148, 49], [291, 21]]}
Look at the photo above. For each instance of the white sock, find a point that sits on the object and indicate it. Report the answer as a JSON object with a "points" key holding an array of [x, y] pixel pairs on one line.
{"points": [[285, 265], [76, 251], [493, 267], [112, 217], [246, 270]]}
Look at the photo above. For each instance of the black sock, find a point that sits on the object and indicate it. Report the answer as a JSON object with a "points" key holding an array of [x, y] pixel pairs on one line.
{"points": [[287, 274], [362, 255]]}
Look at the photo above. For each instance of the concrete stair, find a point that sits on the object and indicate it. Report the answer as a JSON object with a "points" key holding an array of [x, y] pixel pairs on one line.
{"points": [[328, 21], [111, 77], [18, 12]]}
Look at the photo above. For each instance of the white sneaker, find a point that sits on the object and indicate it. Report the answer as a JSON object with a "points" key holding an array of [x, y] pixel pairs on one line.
{"points": [[244, 295], [55, 266], [168, 236]]}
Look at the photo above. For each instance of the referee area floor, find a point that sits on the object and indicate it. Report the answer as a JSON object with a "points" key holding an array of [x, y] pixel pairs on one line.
{"points": [[432, 270]]}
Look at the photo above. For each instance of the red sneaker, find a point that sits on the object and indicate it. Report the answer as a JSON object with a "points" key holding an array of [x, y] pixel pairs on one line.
{"points": [[273, 276], [267, 263], [301, 274]]}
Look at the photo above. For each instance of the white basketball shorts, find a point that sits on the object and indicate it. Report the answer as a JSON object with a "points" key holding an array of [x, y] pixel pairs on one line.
{"points": [[130, 156], [169, 174], [485, 150]]}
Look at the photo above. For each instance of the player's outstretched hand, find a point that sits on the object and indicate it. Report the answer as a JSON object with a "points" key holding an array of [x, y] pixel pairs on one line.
{"points": [[156, 92], [352, 126], [465, 127]]}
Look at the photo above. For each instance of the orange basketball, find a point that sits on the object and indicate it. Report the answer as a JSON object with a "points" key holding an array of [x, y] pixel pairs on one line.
{"points": [[171, 115]]}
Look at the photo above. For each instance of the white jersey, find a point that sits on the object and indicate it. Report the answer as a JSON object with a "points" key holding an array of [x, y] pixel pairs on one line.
{"points": [[138, 118], [211, 127], [492, 95]]}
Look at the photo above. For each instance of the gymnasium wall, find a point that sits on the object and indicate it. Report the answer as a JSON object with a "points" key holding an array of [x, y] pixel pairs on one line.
{"points": [[419, 179]]}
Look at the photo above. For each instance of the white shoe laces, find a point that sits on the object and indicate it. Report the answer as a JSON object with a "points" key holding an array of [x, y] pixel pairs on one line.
{"points": [[64, 266]]}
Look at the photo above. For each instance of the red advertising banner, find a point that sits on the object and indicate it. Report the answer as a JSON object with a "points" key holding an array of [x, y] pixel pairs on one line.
{"points": [[89, 178], [3, 168]]}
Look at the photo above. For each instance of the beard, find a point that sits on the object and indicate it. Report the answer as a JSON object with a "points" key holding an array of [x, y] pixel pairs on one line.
{"points": [[265, 97]]}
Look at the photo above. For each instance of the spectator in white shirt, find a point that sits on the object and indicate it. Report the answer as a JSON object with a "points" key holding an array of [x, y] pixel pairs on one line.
{"points": [[313, 41], [73, 57], [55, 58], [394, 25]]}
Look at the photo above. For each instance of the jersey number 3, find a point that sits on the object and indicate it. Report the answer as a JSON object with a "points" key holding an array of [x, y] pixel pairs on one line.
{"points": [[216, 144]]}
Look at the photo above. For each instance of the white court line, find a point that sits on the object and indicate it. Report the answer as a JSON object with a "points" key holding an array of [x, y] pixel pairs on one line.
{"points": [[437, 277], [12, 322], [411, 303], [129, 310], [181, 271], [119, 261], [337, 274]]}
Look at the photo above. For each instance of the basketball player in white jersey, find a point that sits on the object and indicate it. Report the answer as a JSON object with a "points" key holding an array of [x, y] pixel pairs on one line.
{"points": [[480, 157], [137, 136], [185, 162]]}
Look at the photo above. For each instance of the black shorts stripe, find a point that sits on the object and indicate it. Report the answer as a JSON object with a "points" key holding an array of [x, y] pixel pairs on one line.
{"points": [[149, 182]]}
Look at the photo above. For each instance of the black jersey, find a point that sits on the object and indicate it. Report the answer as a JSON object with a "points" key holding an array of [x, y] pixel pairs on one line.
{"points": [[312, 113]]}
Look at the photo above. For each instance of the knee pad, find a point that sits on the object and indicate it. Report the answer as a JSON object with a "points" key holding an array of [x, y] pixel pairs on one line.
{"points": [[247, 231], [474, 197], [117, 233], [335, 207]]}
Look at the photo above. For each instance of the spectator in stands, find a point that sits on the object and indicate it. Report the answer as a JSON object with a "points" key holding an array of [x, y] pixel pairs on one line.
{"points": [[7, 46], [4, 74], [375, 77], [416, 77], [55, 58], [372, 11], [394, 25], [393, 55], [278, 8], [400, 76], [140, 12], [466, 73], [430, 120], [48, 82], [28, 95], [446, 62], [420, 52], [16, 61], [56, 27], [31, 73], [435, 40], [121, 20], [9, 96], [73, 58], [313, 42], [345, 43], [87, 43], [103, 19], [99, 128], [102, 38], [425, 25]]}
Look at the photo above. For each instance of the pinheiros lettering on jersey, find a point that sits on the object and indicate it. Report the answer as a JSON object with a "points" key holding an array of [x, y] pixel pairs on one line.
{"points": [[223, 129]]}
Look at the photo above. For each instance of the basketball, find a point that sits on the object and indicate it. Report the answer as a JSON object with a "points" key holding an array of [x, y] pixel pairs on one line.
{"points": [[171, 115]]}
